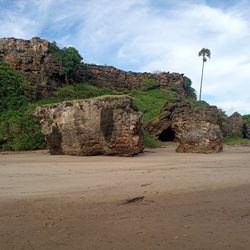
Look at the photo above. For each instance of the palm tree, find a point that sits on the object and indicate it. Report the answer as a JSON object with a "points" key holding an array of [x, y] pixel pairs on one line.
{"points": [[205, 53]]}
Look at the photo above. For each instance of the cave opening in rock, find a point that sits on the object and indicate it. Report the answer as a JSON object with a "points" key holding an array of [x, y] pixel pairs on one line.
{"points": [[167, 135]]}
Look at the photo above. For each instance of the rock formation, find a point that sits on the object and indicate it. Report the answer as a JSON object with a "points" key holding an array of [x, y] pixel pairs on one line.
{"points": [[109, 76], [35, 59], [234, 125], [108, 125], [195, 128]]}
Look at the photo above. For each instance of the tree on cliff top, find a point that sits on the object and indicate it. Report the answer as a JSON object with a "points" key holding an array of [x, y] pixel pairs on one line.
{"points": [[205, 53], [68, 59]]}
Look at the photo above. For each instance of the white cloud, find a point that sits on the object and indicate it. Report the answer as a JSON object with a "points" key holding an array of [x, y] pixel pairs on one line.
{"points": [[148, 36]]}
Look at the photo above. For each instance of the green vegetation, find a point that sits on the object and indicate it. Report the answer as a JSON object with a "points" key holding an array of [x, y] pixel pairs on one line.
{"points": [[201, 104], [151, 142], [190, 91], [12, 88], [149, 83], [18, 128], [110, 97], [74, 92], [68, 59], [246, 118], [20, 131], [80, 91], [151, 101], [233, 140]]}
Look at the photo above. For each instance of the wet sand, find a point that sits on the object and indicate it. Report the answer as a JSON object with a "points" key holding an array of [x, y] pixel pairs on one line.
{"points": [[191, 201]]}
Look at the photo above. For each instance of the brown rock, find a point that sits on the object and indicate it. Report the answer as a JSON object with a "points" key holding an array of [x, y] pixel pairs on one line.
{"points": [[108, 125], [108, 76], [34, 59], [195, 128]]}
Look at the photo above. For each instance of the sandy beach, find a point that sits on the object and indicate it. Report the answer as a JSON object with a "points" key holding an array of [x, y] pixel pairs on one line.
{"points": [[190, 201]]}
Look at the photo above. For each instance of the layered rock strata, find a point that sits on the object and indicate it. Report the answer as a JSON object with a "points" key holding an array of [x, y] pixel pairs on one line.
{"points": [[108, 125]]}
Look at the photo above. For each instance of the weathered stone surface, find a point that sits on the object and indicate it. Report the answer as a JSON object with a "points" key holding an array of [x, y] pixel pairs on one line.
{"points": [[34, 59], [109, 76], [234, 125], [195, 128], [164, 121], [108, 125]]}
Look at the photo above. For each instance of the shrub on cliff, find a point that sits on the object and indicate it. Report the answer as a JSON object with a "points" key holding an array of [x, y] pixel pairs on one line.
{"points": [[68, 59], [190, 91], [246, 118]]}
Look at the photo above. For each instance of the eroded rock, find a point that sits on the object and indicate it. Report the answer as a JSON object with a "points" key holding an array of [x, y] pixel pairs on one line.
{"points": [[34, 59], [195, 128], [108, 76], [108, 125]]}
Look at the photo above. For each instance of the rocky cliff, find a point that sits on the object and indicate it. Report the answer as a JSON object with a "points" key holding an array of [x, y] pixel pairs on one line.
{"points": [[35, 59], [108, 125], [112, 77]]}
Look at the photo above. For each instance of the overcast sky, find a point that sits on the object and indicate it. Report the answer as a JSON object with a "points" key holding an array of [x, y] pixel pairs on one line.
{"points": [[148, 35]]}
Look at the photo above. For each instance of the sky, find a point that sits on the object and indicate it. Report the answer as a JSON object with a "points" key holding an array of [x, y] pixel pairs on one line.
{"points": [[149, 35]]}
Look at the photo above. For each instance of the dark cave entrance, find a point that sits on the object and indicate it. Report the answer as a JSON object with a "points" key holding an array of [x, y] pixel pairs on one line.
{"points": [[167, 135]]}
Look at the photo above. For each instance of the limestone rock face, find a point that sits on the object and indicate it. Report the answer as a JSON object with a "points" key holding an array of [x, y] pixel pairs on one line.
{"points": [[195, 128], [234, 125], [34, 59], [109, 126], [108, 76]]}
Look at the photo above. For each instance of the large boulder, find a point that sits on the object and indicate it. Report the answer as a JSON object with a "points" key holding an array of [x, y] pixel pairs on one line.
{"points": [[195, 128], [106, 125]]}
